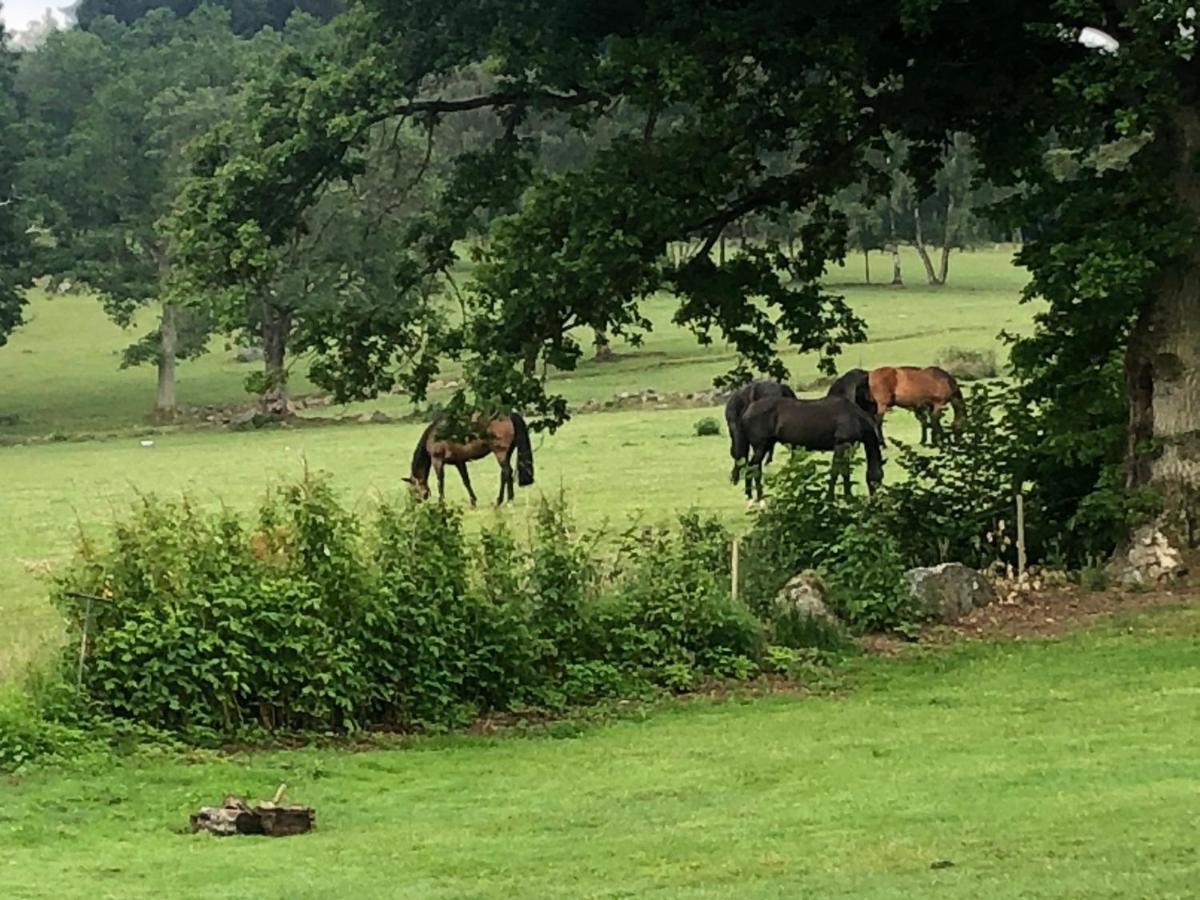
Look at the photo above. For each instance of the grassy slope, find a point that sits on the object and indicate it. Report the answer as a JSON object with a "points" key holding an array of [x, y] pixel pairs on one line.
{"points": [[59, 372], [1041, 770]]}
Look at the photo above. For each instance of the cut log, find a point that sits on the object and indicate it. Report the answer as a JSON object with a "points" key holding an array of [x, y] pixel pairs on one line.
{"points": [[267, 817]]}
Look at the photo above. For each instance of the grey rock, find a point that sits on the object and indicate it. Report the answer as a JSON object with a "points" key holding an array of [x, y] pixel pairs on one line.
{"points": [[948, 592]]}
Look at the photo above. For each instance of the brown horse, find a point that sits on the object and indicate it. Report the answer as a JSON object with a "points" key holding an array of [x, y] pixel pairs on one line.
{"points": [[925, 391], [505, 436]]}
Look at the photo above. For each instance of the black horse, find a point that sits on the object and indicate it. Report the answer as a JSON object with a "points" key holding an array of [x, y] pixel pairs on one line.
{"points": [[737, 404], [855, 386], [831, 423]]}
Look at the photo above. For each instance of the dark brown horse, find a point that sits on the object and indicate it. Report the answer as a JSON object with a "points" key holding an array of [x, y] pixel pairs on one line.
{"points": [[925, 391], [831, 423], [505, 436], [736, 405]]}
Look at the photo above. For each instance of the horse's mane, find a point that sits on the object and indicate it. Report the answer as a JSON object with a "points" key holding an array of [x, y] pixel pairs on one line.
{"points": [[421, 460]]}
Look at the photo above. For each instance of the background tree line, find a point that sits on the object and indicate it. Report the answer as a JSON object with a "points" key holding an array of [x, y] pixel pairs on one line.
{"points": [[103, 113]]}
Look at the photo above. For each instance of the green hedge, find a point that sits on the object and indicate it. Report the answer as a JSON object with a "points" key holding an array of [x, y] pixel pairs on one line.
{"points": [[310, 619]]}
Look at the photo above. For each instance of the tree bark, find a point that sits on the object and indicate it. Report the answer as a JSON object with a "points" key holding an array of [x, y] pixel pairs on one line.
{"points": [[1162, 368], [867, 263], [897, 277], [947, 241], [922, 251], [604, 351], [276, 329], [168, 332], [529, 360]]}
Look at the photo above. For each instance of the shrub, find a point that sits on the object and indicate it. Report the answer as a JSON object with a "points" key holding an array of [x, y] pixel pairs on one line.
{"points": [[669, 614], [967, 364], [865, 575], [28, 737], [313, 621], [843, 539], [957, 501], [791, 532], [707, 426]]}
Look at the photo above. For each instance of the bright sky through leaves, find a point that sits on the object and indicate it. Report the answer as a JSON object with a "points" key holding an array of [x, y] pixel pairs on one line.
{"points": [[17, 14]]}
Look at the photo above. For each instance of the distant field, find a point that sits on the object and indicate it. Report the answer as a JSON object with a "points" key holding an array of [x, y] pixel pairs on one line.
{"points": [[60, 374]]}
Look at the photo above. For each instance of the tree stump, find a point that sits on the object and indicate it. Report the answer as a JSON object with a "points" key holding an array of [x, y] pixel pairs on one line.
{"points": [[267, 817]]}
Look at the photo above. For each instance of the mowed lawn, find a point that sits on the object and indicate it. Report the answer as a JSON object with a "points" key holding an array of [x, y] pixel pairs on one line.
{"points": [[1060, 769]]}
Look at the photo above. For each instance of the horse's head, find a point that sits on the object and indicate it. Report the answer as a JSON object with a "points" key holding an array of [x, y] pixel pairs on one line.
{"points": [[874, 474], [418, 486]]}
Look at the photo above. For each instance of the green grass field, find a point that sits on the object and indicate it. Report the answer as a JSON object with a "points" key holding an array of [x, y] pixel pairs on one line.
{"points": [[60, 375], [60, 372], [1051, 770], [1044, 769]]}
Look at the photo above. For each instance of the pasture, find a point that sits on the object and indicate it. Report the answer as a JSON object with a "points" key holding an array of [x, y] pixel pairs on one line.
{"points": [[60, 375], [1034, 769], [1059, 769]]}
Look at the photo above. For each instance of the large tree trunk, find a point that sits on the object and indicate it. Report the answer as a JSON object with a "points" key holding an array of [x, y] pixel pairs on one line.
{"points": [[604, 351], [1162, 368], [897, 278], [276, 329], [922, 251], [168, 332]]}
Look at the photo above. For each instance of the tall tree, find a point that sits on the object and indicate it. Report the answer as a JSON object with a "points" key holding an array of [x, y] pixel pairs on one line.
{"points": [[783, 103], [15, 244], [109, 111]]}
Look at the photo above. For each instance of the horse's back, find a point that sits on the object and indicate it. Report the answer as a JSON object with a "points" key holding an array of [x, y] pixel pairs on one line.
{"points": [[812, 424], [911, 386]]}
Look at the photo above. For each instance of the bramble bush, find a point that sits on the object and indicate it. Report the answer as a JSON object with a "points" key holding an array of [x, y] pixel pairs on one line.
{"points": [[841, 538], [314, 620], [957, 502]]}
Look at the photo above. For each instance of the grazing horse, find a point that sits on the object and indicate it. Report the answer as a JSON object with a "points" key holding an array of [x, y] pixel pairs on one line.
{"points": [[831, 423], [505, 436], [736, 405], [924, 391], [855, 386]]}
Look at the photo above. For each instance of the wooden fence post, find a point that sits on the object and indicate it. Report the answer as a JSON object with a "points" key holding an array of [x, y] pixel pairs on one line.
{"points": [[83, 641], [1021, 558], [733, 569]]}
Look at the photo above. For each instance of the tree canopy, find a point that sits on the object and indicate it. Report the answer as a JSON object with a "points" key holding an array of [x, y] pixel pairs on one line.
{"points": [[246, 16], [763, 108], [15, 244]]}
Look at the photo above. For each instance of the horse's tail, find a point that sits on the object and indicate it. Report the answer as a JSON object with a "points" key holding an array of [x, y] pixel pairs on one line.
{"points": [[524, 450]]}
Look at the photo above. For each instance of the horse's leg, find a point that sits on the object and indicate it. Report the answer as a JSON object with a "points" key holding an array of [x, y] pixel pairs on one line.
{"points": [[509, 471], [846, 473], [439, 468], [935, 423], [768, 451], [506, 478], [466, 480]]}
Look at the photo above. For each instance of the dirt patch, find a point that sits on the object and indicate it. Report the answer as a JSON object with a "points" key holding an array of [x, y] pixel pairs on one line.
{"points": [[1051, 613]]}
